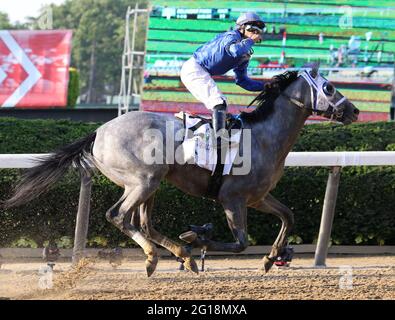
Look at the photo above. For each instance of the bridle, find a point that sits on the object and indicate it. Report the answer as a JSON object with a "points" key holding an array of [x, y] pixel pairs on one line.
{"points": [[320, 103]]}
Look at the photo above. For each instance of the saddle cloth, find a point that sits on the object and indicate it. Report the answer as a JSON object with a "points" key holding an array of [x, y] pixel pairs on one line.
{"points": [[199, 145]]}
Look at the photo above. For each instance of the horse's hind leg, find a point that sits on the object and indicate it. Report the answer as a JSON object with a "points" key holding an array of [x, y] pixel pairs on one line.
{"points": [[154, 235], [121, 216], [271, 205]]}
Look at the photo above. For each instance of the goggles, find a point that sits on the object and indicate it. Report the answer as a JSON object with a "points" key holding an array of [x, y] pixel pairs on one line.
{"points": [[255, 28]]}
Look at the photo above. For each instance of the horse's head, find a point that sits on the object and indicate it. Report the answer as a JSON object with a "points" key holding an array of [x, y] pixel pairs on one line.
{"points": [[321, 97]]}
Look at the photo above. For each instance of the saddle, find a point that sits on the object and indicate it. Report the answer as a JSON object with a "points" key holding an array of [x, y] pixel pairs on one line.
{"points": [[232, 123]]}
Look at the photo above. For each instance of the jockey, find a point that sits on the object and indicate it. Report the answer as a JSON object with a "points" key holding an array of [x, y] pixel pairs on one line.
{"points": [[228, 50]]}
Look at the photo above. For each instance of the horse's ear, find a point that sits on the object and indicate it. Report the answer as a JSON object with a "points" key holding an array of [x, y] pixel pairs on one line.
{"points": [[314, 70]]}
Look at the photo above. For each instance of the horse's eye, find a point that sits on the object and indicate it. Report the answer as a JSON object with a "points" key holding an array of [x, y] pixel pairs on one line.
{"points": [[313, 74], [329, 89]]}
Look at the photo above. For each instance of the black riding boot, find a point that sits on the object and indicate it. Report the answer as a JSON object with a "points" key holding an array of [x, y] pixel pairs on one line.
{"points": [[219, 117]]}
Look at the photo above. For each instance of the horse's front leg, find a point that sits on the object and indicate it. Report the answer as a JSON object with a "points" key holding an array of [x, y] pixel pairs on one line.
{"points": [[269, 204], [236, 215]]}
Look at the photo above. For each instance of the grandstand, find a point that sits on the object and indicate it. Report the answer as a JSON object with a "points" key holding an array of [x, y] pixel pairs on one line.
{"points": [[364, 72]]}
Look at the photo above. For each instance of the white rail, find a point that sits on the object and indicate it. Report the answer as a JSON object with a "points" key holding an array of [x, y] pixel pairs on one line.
{"points": [[294, 159], [19, 161], [334, 160], [340, 159]]}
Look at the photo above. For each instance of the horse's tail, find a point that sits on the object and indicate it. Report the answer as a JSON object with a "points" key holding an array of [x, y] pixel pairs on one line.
{"points": [[50, 169]]}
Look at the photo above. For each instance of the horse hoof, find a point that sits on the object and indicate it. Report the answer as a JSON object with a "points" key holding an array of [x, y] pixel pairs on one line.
{"points": [[267, 263], [150, 265], [190, 264]]}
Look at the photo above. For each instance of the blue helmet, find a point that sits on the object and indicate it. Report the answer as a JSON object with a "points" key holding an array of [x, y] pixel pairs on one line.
{"points": [[250, 18]]}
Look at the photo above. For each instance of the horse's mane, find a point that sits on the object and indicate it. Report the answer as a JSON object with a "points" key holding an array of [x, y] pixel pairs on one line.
{"points": [[266, 98]]}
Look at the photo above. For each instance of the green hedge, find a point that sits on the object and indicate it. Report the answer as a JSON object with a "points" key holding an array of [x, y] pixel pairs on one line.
{"points": [[74, 88], [364, 213]]}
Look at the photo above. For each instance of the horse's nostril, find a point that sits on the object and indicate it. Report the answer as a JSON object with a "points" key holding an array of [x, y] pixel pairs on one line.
{"points": [[356, 111]]}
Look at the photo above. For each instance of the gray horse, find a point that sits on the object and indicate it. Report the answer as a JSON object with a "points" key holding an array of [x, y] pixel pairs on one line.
{"points": [[117, 150]]}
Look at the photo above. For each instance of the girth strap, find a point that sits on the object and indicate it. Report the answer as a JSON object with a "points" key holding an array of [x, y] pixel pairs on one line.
{"points": [[215, 182]]}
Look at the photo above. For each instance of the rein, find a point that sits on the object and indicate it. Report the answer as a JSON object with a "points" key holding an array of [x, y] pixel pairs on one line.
{"points": [[318, 98]]}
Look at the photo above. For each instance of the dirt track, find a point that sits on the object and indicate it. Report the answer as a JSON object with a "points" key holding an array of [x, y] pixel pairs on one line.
{"points": [[232, 278]]}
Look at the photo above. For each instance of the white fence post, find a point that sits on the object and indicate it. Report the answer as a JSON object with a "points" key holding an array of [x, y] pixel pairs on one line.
{"points": [[82, 221], [328, 213]]}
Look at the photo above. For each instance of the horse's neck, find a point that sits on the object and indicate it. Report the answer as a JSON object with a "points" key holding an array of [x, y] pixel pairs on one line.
{"points": [[279, 132]]}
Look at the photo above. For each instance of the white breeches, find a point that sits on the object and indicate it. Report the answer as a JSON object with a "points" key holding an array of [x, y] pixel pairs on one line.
{"points": [[199, 82]]}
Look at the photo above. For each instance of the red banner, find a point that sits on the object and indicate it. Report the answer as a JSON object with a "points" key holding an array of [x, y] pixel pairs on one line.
{"points": [[34, 68]]}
